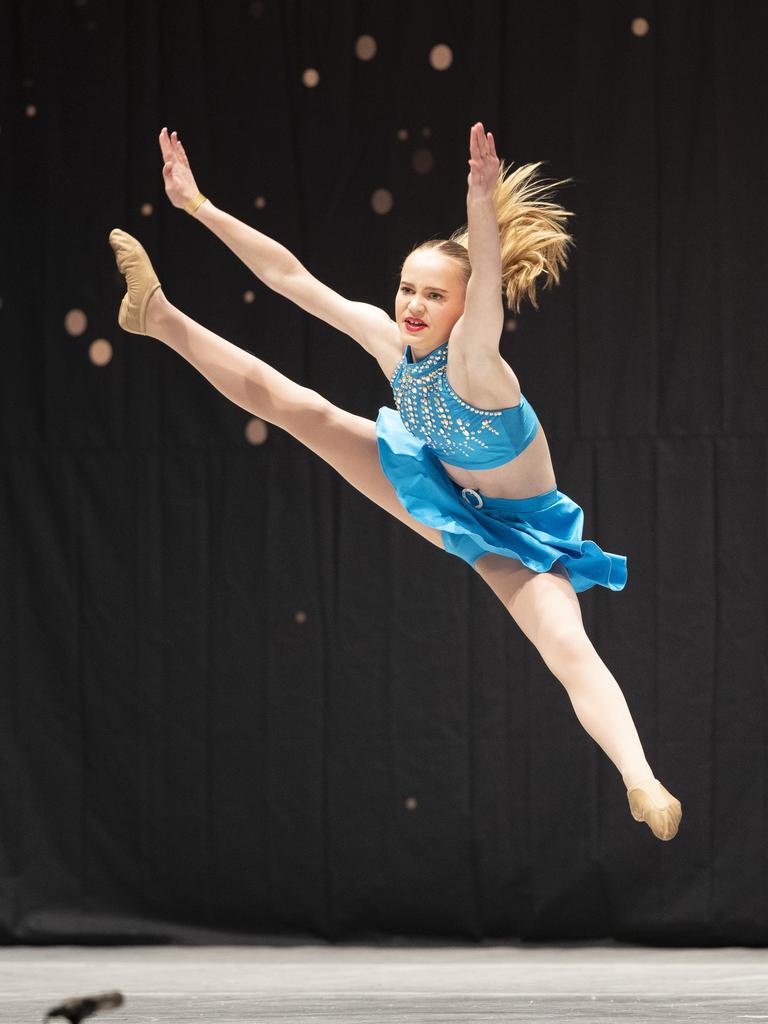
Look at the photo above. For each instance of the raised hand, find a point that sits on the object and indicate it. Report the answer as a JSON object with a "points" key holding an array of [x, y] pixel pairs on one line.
{"points": [[483, 163], [180, 185]]}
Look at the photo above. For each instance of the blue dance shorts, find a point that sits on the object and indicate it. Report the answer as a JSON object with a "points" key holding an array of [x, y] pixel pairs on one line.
{"points": [[537, 531]]}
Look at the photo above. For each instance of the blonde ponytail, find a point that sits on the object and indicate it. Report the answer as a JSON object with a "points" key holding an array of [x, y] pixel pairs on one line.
{"points": [[532, 234]]}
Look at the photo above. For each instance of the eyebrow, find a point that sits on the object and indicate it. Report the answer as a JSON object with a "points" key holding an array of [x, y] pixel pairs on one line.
{"points": [[429, 286]]}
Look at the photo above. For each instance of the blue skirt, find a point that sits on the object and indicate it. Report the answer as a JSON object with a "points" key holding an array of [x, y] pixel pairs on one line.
{"points": [[537, 531]]}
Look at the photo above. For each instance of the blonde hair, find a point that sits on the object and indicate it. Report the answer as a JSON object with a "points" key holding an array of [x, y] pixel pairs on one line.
{"points": [[531, 234]]}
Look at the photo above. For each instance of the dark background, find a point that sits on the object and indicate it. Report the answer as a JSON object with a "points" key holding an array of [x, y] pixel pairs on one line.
{"points": [[185, 757]]}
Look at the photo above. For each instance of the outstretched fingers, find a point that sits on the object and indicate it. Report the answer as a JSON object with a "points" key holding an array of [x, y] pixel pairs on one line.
{"points": [[481, 143], [478, 144], [180, 185], [172, 149], [165, 145], [483, 161], [182, 153], [474, 147]]}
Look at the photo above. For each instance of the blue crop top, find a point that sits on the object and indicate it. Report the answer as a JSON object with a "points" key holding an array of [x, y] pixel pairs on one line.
{"points": [[458, 433]]}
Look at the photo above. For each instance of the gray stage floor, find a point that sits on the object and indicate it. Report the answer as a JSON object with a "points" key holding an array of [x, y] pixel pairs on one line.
{"points": [[362, 983]]}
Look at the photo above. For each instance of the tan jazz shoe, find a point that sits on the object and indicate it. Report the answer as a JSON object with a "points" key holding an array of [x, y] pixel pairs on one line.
{"points": [[141, 279], [650, 802]]}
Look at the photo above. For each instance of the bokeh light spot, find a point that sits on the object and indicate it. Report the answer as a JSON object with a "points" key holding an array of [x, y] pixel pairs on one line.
{"points": [[259, 202], [427, 133], [441, 57], [402, 133], [310, 77], [423, 161], [382, 200], [300, 617], [249, 296], [511, 324], [100, 352], [30, 110], [365, 47], [411, 803], [75, 322], [147, 209], [256, 431], [640, 27]]}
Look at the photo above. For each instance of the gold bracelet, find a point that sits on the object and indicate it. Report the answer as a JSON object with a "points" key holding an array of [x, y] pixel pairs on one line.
{"points": [[193, 204]]}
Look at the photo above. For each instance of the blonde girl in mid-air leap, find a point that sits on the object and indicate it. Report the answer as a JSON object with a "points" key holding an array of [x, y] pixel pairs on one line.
{"points": [[463, 459]]}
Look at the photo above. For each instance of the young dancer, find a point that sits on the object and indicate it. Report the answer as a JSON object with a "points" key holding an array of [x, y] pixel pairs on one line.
{"points": [[463, 461]]}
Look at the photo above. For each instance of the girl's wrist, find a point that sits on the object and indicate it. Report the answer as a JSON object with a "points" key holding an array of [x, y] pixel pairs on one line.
{"points": [[194, 204], [473, 199]]}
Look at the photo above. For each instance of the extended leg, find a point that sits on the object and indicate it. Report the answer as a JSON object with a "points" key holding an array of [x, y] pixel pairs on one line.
{"points": [[546, 608], [345, 441]]}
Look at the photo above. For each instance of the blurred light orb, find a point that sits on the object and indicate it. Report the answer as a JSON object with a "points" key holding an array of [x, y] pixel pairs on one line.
{"points": [[30, 110], [259, 202], [402, 133], [411, 803], [427, 133], [382, 200], [365, 47], [75, 322], [28, 83], [640, 27], [310, 77], [423, 161], [300, 617], [511, 324], [249, 296], [147, 209], [100, 352], [256, 431], [441, 57]]}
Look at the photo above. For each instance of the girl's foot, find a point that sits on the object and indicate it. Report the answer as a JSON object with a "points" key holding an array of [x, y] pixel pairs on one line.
{"points": [[141, 279], [650, 802]]}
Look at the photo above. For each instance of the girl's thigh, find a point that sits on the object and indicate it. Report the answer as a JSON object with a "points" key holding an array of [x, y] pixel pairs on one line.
{"points": [[543, 604], [348, 443]]}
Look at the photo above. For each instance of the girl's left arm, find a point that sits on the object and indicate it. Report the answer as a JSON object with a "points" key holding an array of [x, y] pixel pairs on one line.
{"points": [[480, 327]]}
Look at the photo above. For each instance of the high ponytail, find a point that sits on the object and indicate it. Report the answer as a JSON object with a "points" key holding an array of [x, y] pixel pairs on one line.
{"points": [[532, 234]]}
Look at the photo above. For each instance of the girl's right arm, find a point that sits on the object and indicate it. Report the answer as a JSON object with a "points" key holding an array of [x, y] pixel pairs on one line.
{"points": [[279, 269]]}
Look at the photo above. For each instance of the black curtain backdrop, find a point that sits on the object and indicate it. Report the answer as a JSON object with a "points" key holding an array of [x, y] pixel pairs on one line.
{"points": [[237, 698]]}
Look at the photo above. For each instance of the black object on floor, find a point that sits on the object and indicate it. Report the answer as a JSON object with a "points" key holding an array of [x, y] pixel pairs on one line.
{"points": [[79, 1007]]}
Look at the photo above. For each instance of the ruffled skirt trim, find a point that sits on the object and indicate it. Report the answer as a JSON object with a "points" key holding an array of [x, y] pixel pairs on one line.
{"points": [[537, 531]]}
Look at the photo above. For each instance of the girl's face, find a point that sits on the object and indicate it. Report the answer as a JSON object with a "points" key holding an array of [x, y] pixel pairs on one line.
{"points": [[431, 290]]}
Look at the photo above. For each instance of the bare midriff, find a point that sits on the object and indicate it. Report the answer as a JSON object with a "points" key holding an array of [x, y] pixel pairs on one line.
{"points": [[527, 475]]}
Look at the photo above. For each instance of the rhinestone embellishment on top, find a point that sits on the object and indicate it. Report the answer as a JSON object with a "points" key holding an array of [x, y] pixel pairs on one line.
{"points": [[419, 391]]}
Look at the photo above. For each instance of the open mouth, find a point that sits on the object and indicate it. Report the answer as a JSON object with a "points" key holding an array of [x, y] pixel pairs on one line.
{"points": [[412, 324]]}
